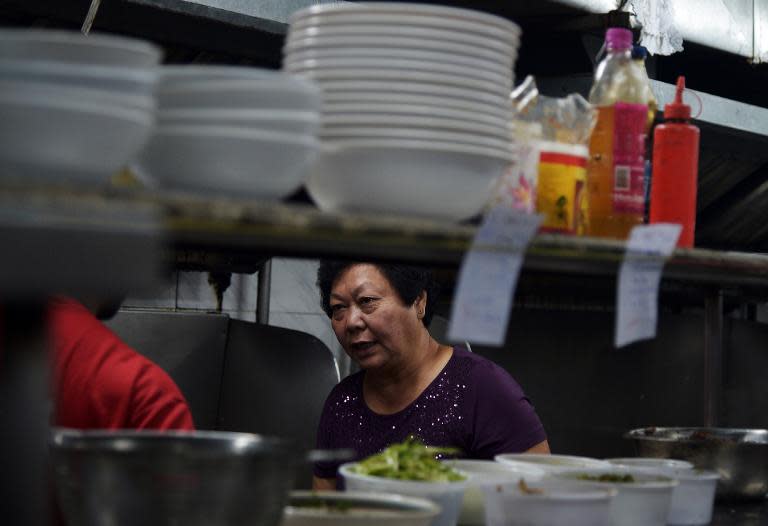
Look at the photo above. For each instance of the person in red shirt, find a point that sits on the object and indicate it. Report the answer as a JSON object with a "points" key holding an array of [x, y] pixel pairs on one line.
{"points": [[99, 382]]}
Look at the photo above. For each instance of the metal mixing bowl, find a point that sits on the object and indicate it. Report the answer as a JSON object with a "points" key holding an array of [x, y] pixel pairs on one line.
{"points": [[151, 478], [739, 455]]}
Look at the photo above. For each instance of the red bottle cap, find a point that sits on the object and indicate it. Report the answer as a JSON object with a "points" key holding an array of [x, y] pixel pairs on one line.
{"points": [[676, 109]]}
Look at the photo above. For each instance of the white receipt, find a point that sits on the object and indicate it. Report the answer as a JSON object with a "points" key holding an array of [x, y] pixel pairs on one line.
{"points": [[488, 277], [637, 292]]}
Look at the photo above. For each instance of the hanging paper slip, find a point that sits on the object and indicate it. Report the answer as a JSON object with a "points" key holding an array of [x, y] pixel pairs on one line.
{"points": [[637, 292], [488, 277]]}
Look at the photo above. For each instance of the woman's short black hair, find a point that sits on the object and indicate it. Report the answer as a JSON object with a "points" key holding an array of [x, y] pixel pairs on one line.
{"points": [[408, 281]]}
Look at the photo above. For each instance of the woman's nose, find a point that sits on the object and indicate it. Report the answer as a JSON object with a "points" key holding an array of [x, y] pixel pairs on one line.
{"points": [[354, 319]]}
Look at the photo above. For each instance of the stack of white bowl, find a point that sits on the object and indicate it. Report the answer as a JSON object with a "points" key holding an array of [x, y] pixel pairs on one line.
{"points": [[416, 112], [233, 131], [73, 108]]}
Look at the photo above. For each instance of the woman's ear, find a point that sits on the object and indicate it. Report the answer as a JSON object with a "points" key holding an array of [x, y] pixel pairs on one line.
{"points": [[421, 304]]}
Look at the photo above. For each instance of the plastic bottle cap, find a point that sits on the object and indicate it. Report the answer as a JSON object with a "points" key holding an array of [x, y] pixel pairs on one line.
{"points": [[639, 52], [677, 109], [618, 38]]}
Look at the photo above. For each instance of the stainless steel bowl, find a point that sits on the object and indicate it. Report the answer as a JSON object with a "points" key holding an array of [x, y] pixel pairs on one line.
{"points": [[152, 478], [739, 455]]}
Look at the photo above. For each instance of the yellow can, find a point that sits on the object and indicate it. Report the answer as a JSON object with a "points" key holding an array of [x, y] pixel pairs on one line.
{"points": [[561, 194]]}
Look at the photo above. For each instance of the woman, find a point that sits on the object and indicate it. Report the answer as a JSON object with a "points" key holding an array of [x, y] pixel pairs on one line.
{"points": [[410, 384]]}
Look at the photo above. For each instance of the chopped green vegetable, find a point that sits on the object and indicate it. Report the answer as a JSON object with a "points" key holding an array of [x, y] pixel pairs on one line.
{"points": [[411, 460]]}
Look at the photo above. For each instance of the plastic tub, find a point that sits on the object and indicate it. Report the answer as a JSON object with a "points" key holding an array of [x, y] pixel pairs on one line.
{"points": [[326, 508], [483, 472], [551, 503], [552, 463], [645, 501], [650, 462], [448, 495], [694, 496]]}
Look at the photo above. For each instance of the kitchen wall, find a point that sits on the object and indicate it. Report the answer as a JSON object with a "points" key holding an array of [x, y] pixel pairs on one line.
{"points": [[294, 300]]}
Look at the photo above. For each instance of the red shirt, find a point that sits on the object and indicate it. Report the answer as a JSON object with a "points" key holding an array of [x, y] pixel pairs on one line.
{"points": [[101, 383]]}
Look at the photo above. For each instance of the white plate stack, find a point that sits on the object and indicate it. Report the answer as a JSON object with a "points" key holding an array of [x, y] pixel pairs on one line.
{"points": [[416, 113], [232, 130], [73, 108]]}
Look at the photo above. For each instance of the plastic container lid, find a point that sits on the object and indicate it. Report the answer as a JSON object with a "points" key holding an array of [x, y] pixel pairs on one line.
{"points": [[677, 109]]}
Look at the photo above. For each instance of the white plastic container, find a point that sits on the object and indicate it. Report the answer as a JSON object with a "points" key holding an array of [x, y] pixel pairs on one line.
{"points": [[693, 498], [557, 504], [552, 463], [359, 509], [484, 472], [448, 495], [644, 502], [650, 462]]}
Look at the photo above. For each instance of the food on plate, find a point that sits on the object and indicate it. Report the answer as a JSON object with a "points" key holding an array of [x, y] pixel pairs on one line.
{"points": [[410, 460]]}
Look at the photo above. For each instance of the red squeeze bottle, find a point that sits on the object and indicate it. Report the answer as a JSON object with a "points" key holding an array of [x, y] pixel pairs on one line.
{"points": [[675, 168]]}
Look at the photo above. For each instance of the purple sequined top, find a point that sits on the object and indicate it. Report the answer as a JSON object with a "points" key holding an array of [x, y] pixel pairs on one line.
{"points": [[473, 405]]}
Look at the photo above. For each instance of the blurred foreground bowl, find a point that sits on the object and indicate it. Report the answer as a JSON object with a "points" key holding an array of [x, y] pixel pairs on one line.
{"points": [[152, 478]]}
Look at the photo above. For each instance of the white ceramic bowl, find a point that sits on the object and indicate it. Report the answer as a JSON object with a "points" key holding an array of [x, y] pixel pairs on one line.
{"points": [[321, 76], [384, 43], [482, 473], [318, 508], [375, 31], [400, 65], [335, 19], [75, 48], [649, 462], [407, 9], [438, 180], [354, 88], [54, 140], [224, 160], [644, 502], [342, 123], [335, 135], [551, 503], [184, 75], [297, 95], [552, 463], [447, 495], [44, 90], [120, 80], [297, 122], [376, 109], [375, 99], [491, 63]]}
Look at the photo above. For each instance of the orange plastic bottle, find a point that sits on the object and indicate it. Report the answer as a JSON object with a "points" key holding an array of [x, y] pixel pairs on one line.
{"points": [[676, 168], [615, 172]]}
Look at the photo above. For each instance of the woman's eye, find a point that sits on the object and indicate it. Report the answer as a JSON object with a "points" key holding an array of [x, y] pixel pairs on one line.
{"points": [[336, 308], [365, 301]]}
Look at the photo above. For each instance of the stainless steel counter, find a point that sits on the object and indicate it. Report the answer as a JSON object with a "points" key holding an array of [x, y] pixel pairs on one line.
{"points": [[741, 514]]}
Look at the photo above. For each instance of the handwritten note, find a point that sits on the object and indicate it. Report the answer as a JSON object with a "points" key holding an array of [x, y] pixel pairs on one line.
{"points": [[488, 277], [637, 293]]}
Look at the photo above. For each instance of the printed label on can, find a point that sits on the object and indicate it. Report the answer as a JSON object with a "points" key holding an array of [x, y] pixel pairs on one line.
{"points": [[561, 192]]}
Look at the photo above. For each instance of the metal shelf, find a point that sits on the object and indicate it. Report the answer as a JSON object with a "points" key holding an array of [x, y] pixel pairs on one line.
{"points": [[242, 231]]}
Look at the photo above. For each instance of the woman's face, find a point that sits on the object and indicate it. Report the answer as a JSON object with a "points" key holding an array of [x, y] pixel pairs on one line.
{"points": [[370, 320]]}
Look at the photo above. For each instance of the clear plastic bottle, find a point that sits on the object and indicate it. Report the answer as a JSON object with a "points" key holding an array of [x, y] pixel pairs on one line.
{"points": [[615, 172], [639, 54]]}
